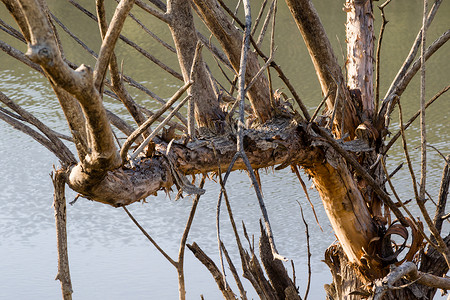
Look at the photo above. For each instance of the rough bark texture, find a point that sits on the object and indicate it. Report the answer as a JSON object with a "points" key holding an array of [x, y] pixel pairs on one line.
{"points": [[278, 276], [274, 143], [43, 49], [206, 106], [325, 63], [59, 204], [345, 208], [230, 39]]}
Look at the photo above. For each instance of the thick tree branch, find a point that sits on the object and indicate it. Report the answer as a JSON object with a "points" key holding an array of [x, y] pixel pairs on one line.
{"points": [[205, 104], [359, 32], [408, 269], [325, 63], [442, 198], [123, 186], [43, 49]]}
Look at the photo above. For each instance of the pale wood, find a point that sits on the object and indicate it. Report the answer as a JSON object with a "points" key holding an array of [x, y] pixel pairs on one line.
{"points": [[359, 38]]}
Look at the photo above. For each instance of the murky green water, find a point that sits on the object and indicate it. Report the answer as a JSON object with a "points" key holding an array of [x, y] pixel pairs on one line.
{"points": [[109, 258]]}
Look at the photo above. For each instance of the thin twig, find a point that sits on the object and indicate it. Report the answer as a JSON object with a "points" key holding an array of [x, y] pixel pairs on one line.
{"points": [[336, 102], [12, 31], [413, 52], [157, 129], [240, 143], [275, 66], [174, 263], [378, 60], [36, 136], [320, 105], [158, 14], [413, 118], [258, 18], [308, 285], [412, 218], [261, 70], [223, 192], [141, 50], [151, 120], [242, 291], [305, 190], [154, 36], [271, 11], [49, 133], [447, 161], [392, 99], [442, 247], [181, 251], [110, 40]]}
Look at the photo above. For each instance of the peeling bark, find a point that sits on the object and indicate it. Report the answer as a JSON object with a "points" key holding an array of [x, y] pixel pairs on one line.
{"points": [[345, 208], [359, 32], [350, 185]]}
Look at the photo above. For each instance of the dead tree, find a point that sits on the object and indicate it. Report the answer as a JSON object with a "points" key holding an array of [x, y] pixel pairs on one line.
{"points": [[343, 149]]}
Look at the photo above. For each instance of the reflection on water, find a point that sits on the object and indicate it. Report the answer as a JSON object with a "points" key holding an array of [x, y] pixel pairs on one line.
{"points": [[109, 257]]}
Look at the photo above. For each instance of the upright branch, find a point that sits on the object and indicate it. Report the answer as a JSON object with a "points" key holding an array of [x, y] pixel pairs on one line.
{"points": [[203, 97], [110, 40], [423, 136], [230, 38], [325, 63], [117, 83], [378, 55], [240, 144], [412, 54], [43, 49], [359, 29]]}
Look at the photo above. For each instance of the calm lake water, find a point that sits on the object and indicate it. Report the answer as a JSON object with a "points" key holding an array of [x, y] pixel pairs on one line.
{"points": [[109, 257]]}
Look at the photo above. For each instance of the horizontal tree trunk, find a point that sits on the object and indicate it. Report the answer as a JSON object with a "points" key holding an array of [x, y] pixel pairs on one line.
{"points": [[281, 142]]}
